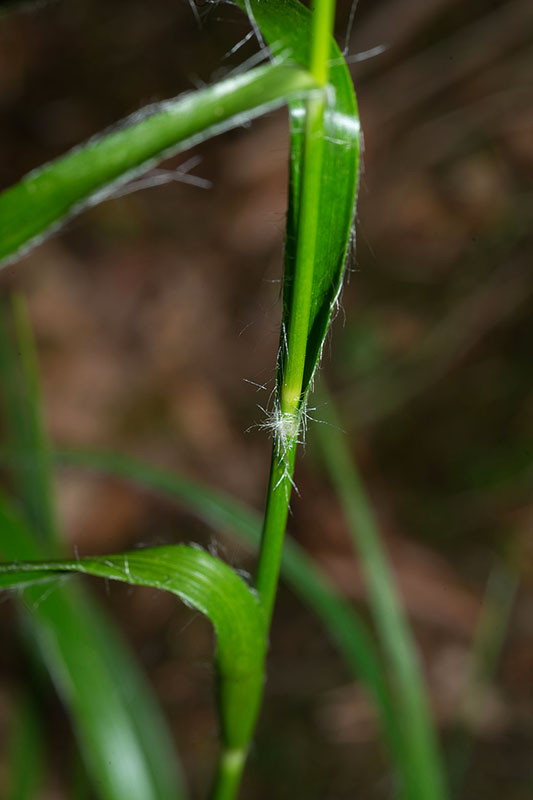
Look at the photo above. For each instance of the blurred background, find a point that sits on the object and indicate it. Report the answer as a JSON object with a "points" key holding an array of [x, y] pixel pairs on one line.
{"points": [[156, 313]]}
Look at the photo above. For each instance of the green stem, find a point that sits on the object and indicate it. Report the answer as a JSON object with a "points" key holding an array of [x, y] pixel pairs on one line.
{"points": [[322, 23], [229, 772], [287, 419], [274, 525], [321, 32]]}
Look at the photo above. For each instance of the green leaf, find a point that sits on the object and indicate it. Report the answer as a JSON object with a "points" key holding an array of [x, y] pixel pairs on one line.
{"points": [[342, 623], [119, 728], [24, 435], [91, 172], [140, 734], [201, 581]]}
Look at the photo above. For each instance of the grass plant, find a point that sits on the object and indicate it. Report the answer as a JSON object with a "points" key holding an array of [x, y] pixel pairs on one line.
{"points": [[124, 745]]}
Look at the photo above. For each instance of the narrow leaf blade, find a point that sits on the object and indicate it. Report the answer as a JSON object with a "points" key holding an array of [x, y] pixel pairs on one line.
{"points": [[424, 768], [91, 172], [201, 581]]}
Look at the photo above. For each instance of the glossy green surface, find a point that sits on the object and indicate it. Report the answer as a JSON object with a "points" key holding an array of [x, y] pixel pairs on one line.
{"points": [[286, 26], [342, 623], [92, 171], [201, 581]]}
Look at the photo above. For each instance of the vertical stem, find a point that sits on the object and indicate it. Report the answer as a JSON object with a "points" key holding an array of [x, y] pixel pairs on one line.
{"points": [[229, 773], [275, 522], [290, 400], [291, 391]]}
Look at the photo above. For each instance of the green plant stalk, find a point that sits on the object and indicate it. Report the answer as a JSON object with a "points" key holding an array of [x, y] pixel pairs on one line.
{"points": [[287, 421], [229, 774], [298, 333], [424, 768], [288, 416]]}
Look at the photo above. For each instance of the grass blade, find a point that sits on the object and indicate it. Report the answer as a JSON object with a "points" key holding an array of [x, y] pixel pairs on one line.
{"points": [[425, 773], [99, 686], [345, 628], [55, 620], [201, 581], [91, 172], [488, 644], [21, 406]]}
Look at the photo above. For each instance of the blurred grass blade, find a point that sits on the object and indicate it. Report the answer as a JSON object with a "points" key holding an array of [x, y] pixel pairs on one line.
{"points": [[119, 729], [66, 645], [425, 773], [491, 632], [25, 756], [24, 433], [91, 172], [489, 640], [305, 578], [201, 581], [286, 26], [149, 730]]}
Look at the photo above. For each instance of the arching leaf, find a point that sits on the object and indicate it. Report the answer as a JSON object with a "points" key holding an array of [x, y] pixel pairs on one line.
{"points": [[92, 171], [341, 621], [201, 581]]}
